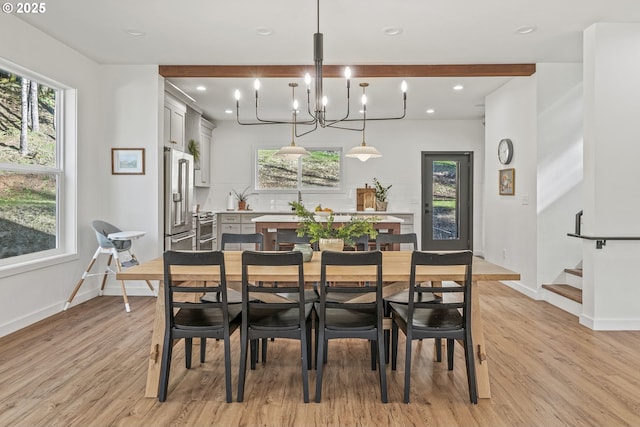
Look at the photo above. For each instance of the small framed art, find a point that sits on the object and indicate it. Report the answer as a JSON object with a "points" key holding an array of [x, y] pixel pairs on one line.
{"points": [[127, 161], [507, 182]]}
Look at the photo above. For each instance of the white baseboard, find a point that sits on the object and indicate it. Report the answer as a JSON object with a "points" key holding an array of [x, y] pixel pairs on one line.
{"points": [[522, 289], [610, 324], [43, 313]]}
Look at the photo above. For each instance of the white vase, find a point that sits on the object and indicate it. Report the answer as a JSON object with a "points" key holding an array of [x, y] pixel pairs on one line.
{"points": [[331, 245]]}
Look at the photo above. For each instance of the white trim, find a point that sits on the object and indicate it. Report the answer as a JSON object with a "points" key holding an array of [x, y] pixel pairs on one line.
{"points": [[38, 263], [610, 324], [561, 302], [518, 286]]}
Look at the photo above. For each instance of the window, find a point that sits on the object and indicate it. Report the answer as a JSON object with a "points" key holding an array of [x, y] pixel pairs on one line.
{"points": [[322, 170], [30, 166]]}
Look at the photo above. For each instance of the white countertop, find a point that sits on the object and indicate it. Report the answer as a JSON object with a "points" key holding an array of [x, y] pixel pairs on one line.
{"points": [[336, 218], [336, 212]]}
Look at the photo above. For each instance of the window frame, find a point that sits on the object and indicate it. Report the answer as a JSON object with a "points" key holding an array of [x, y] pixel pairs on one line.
{"points": [[65, 171], [338, 189]]}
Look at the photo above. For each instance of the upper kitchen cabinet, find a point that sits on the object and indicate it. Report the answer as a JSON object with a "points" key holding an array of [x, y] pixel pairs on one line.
{"points": [[203, 173], [174, 122]]}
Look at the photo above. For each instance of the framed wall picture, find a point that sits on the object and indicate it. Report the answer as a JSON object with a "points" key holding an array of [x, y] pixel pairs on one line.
{"points": [[127, 161], [507, 182]]}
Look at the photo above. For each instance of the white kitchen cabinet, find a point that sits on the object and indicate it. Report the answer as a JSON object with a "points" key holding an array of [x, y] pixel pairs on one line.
{"points": [[174, 122], [203, 173]]}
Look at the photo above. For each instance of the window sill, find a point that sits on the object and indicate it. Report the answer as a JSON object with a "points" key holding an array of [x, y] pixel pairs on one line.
{"points": [[36, 264]]}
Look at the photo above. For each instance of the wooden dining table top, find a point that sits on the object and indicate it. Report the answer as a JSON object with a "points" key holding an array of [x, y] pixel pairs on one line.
{"points": [[395, 267]]}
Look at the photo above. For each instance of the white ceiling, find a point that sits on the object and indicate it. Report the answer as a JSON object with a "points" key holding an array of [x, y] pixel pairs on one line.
{"points": [[433, 32]]}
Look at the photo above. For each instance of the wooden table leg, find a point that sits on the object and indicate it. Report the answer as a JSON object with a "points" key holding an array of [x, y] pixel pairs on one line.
{"points": [[155, 354], [479, 347]]}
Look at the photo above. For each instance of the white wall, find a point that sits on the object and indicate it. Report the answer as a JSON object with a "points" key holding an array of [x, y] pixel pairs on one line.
{"points": [[611, 175], [510, 227], [130, 202], [560, 197], [400, 143], [33, 295], [118, 106]]}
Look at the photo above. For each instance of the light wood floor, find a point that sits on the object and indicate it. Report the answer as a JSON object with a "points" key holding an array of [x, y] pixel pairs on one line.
{"points": [[87, 367]]}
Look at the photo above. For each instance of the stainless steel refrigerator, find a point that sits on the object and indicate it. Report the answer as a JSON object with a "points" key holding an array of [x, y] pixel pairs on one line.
{"points": [[179, 233]]}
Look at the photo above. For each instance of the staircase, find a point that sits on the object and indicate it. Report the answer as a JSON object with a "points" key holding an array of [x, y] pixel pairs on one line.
{"points": [[567, 296]]}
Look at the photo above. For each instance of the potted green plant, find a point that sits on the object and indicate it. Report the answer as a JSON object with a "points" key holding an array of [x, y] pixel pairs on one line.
{"points": [[325, 233], [381, 195], [242, 197], [194, 149]]}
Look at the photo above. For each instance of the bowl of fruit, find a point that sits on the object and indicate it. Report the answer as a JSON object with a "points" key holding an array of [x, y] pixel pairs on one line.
{"points": [[322, 212]]}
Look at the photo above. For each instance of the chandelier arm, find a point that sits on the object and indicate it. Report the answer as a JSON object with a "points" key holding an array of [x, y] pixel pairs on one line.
{"points": [[314, 128]]}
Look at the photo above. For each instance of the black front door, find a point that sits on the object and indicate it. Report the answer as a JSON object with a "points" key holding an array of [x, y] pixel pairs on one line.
{"points": [[447, 200]]}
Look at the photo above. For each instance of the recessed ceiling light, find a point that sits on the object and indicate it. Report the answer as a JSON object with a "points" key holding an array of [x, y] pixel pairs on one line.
{"points": [[526, 29], [228, 111], [134, 32], [392, 31], [264, 31], [201, 88], [458, 87], [431, 111]]}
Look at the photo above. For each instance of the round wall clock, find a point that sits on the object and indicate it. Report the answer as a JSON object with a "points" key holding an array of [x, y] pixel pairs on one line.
{"points": [[505, 151]]}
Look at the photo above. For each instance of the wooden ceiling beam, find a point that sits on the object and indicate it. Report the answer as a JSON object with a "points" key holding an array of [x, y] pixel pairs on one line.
{"points": [[295, 71]]}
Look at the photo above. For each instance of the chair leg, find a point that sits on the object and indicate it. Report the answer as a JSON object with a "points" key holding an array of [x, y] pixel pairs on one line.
{"points": [[264, 350], [227, 365], [319, 363], [124, 291], [203, 349], [105, 275], [381, 366], [407, 371], [165, 367], [188, 347], [373, 355], [438, 345], [305, 350], [394, 345], [471, 368], [81, 281], [450, 350], [254, 354], [310, 362], [244, 341]]}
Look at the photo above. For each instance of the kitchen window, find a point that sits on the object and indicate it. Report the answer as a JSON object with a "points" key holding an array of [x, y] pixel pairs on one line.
{"points": [[321, 170], [31, 166]]}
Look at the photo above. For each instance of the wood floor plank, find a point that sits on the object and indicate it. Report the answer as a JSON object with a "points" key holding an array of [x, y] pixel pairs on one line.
{"points": [[87, 367]]}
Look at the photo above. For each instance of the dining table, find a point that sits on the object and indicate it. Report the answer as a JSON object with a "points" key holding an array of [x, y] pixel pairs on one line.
{"points": [[395, 274]]}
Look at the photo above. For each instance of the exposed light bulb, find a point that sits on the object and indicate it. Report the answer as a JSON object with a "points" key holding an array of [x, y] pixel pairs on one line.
{"points": [[256, 84], [307, 80], [325, 101], [237, 95], [295, 104], [403, 86], [347, 73], [364, 99]]}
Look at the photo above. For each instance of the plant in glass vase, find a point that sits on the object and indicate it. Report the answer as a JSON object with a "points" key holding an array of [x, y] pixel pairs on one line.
{"points": [[321, 231]]}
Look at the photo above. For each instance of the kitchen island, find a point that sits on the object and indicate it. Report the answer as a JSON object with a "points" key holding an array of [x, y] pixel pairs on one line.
{"points": [[271, 223]]}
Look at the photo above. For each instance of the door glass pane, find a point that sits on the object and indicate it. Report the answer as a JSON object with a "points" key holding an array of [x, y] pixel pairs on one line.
{"points": [[445, 200]]}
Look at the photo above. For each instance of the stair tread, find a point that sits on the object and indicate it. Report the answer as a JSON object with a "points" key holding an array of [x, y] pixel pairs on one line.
{"points": [[574, 271], [566, 291]]}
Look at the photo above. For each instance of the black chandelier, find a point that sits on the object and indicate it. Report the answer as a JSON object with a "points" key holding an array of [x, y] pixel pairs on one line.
{"points": [[317, 110]]}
